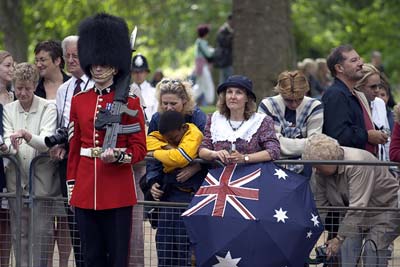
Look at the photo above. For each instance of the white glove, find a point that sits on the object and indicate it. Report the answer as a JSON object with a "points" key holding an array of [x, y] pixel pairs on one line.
{"points": [[70, 189]]}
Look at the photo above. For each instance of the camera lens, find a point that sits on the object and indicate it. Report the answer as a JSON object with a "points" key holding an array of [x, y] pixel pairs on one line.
{"points": [[60, 137]]}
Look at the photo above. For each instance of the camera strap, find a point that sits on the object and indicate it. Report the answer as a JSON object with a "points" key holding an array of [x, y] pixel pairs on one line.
{"points": [[61, 122], [40, 122]]}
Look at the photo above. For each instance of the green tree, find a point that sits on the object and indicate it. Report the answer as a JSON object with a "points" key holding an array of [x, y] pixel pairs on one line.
{"points": [[368, 25], [263, 42], [13, 32], [167, 29]]}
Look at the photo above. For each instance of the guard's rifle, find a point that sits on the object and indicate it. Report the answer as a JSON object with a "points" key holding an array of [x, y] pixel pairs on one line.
{"points": [[111, 119]]}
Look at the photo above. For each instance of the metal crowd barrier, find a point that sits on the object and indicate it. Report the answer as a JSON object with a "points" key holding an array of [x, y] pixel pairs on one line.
{"points": [[170, 246], [182, 253], [49, 228], [12, 252], [355, 247]]}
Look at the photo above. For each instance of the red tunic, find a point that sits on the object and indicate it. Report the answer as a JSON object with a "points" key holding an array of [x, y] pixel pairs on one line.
{"points": [[100, 185]]}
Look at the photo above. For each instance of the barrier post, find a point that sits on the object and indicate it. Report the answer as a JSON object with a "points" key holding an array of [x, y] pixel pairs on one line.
{"points": [[18, 207]]}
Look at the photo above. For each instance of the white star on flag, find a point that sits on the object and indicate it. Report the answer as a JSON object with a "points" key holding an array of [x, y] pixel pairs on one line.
{"points": [[280, 215], [227, 261], [309, 234], [314, 219], [280, 173]]}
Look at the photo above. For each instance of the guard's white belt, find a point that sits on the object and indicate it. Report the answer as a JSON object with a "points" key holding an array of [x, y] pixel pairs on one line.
{"points": [[95, 152]]}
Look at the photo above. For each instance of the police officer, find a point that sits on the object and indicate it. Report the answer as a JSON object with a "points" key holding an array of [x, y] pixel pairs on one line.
{"points": [[100, 182], [140, 71]]}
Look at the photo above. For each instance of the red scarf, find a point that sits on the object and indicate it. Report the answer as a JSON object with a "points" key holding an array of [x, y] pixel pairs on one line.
{"points": [[369, 125]]}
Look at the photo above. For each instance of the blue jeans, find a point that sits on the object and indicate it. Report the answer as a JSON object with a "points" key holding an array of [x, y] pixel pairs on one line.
{"points": [[351, 250]]}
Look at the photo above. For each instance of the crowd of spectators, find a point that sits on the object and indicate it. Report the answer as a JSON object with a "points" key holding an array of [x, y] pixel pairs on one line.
{"points": [[334, 109]]}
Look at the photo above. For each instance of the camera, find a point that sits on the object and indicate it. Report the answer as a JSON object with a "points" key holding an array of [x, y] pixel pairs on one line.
{"points": [[386, 131], [60, 137], [320, 256], [320, 252]]}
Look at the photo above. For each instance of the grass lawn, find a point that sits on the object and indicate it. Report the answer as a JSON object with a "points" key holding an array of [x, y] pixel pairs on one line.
{"points": [[208, 109]]}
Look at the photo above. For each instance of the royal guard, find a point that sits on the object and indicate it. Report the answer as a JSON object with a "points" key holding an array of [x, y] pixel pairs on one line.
{"points": [[99, 177]]}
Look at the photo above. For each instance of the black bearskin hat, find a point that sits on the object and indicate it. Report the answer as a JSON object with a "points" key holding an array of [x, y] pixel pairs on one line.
{"points": [[104, 40]]}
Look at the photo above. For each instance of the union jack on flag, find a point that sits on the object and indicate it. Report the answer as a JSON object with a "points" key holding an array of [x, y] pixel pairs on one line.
{"points": [[227, 190]]}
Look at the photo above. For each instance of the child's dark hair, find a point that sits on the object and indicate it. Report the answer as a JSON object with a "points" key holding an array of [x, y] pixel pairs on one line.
{"points": [[169, 121]]}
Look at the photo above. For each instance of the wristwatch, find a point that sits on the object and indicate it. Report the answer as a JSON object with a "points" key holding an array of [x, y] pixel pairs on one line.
{"points": [[246, 158], [340, 238]]}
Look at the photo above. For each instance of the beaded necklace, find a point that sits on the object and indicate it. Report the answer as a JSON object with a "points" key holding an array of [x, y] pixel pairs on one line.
{"points": [[235, 128]]}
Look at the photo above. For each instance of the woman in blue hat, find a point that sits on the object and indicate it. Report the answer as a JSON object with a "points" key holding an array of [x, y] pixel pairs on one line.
{"points": [[235, 133]]}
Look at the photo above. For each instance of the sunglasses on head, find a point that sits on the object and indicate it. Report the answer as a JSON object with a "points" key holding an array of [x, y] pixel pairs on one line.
{"points": [[175, 82]]}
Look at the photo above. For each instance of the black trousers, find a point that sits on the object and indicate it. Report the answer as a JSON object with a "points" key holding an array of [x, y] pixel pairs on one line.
{"points": [[73, 227], [105, 236]]}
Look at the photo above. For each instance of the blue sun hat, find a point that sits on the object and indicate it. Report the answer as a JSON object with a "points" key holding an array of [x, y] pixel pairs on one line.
{"points": [[238, 81]]}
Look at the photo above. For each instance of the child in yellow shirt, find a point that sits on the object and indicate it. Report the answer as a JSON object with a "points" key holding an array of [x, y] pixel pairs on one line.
{"points": [[175, 145]]}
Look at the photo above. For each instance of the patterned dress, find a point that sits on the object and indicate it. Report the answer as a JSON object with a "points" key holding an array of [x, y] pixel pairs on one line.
{"points": [[255, 134]]}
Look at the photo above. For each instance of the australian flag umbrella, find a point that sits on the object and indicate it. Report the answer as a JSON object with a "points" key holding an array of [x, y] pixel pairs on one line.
{"points": [[253, 215]]}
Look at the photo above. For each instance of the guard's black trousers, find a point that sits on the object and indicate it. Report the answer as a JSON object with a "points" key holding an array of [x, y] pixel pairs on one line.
{"points": [[105, 236], [73, 228]]}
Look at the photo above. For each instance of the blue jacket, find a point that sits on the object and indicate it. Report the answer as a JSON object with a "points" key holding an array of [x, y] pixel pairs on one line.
{"points": [[198, 117], [343, 116]]}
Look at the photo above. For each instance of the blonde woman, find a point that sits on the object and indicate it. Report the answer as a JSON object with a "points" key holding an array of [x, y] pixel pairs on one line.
{"points": [[173, 95], [6, 71], [370, 84], [6, 96], [177, 95]]}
